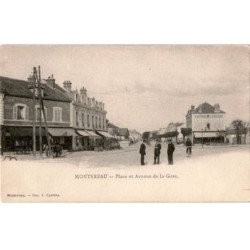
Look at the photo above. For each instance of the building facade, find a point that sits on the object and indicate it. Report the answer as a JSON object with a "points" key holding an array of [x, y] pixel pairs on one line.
{"points": [[206, 122], [17, 112], [74, 120], [87, 117]]}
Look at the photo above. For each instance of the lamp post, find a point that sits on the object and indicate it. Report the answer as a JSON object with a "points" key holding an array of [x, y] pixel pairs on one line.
{"points": [[202, 138]]}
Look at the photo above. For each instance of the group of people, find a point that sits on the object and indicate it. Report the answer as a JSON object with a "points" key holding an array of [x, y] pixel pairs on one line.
{"points": [[157, 151]]}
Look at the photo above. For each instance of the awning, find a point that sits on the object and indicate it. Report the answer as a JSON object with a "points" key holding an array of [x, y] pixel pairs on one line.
{"points": [[62, 132], [92, 133], [82, 133], [206, 134], [19, 131], [105, 134]]}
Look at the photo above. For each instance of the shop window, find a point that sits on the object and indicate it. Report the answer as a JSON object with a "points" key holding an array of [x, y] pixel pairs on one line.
{"points": [[20, 112], [57, 114]]}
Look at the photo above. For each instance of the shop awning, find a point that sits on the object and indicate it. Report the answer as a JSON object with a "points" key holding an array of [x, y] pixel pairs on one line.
{"points": [[105, 134], [92, 133], [19, 131], [206, 134], [61, 132], [82, 133]]}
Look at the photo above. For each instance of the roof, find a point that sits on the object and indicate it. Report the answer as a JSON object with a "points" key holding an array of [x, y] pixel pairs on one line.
{"points": [[15, 87], [205, 108], [111, 125], [123, 131]]}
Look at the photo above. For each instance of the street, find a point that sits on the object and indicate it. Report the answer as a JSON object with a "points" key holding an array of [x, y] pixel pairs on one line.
{"points": [[129, 156]]}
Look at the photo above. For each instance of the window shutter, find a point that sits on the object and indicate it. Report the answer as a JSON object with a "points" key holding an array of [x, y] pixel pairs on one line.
{"points": [[14, 112], [27, 113]]}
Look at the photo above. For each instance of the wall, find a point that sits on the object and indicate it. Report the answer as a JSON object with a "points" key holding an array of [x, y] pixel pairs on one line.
{"points": [[10, 101], [200, 121]]}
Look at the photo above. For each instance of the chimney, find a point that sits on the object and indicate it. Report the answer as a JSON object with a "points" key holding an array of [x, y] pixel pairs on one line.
{"points": [[31, 79], [216, 107], [192, 107], [83, 91], [67, 85], [51, 81]]}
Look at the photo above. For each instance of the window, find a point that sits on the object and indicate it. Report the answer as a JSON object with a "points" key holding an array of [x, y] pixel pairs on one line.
{"points": [[57, 114], [93, 122], [88, 120], [208, 126], [77, 121], [38, 113], [96, 125], [20, 112], [83, 119], [103, 123], [100, 125]]}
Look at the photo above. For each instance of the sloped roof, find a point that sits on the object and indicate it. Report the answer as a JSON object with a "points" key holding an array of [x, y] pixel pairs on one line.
{"points": [[123, 131], [205, 108], [15, 87], [111, 125]]}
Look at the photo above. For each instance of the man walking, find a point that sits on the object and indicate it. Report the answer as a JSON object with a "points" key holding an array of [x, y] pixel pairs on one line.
{"points": [[171, 149], [143, 152]]}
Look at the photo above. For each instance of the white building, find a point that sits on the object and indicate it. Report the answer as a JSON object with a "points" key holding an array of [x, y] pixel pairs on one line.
{"points": [[206, 122]]}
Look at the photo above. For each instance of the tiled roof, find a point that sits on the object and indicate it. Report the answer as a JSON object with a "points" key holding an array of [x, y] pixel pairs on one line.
{"points": [[204, 108], [14, 87]]}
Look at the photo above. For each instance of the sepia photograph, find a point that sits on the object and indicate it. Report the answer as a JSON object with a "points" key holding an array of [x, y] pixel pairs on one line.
{"points": [[125, 123]]}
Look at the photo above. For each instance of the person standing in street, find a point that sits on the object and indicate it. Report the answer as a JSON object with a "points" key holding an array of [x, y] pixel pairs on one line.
{"points": [[143, 152], [157, 152], [189, 147], [171, 149]]}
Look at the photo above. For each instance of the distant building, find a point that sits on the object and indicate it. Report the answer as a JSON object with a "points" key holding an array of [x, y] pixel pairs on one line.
{"points": [[123, 134], [134, 135], [206, 122]]}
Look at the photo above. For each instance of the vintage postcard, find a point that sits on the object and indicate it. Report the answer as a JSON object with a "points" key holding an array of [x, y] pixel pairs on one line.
{"points": [[125, 123]]}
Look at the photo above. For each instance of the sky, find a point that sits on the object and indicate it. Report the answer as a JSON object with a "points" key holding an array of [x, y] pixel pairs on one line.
{"points": [[144, 87]]}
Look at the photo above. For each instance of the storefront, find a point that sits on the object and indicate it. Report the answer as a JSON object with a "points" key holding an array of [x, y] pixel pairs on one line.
{"points": [[88, 139], [109, 141], [20, 139], [66, 137], [207, 137]]}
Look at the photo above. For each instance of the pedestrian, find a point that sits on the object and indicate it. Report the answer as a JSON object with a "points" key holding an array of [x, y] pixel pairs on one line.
{"points": [[157, 152], [171, 149], [142, 152], [189, 146]]}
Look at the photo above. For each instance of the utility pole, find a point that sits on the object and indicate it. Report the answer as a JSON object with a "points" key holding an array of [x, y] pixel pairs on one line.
{"points": [[40, 112], [38, 94], [34, 111]]}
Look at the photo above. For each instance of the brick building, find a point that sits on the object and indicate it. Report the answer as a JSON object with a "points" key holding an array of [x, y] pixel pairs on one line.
{"points": [[17, 112]]}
